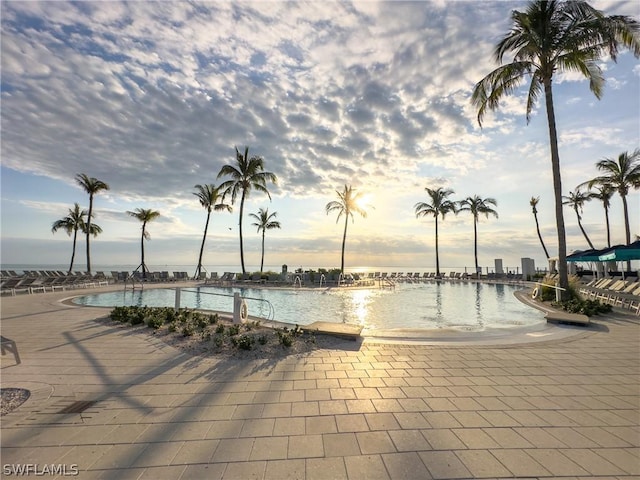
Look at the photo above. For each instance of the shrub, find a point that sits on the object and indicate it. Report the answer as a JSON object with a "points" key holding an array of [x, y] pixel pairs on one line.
{"points": [[120, 314], [188, 329], [335, 272], [202, 321], [213, 319], [234, 330], [251, 325], [285, 337], [169, 315], [244, 342], [137, 316], [220, 329], [173, 326], [286, 340], [218, 340], [155, 321], [585, 307]]}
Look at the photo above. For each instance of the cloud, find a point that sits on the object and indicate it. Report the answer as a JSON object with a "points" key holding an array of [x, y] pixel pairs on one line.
{"points": [[152, 98], [141, 96]]}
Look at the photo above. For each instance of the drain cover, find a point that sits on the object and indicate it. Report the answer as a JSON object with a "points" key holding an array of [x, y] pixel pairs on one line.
{"points": [[78, 407]]}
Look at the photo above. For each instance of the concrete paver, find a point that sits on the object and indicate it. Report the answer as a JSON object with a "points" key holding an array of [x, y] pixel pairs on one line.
{"points": [[568, 407]]}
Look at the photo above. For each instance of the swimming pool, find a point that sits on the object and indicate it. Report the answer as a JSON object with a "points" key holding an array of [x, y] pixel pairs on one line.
{"points": [[466, 306]]}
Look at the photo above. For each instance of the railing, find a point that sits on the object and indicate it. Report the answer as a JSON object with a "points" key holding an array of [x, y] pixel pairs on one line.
{"points": [[133, 280], [270, 315]]}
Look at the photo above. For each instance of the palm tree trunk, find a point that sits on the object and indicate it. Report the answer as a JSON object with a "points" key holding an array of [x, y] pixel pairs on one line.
{"points": [[73, 253], [144, 268], [89, 233], [540, 236], [204, 237], [625, 209], [583, 232], [240, 228], [437, 259], [262, 257], [557, 190], [344, 241], [475, 243], [606, 217], [627, 230]]}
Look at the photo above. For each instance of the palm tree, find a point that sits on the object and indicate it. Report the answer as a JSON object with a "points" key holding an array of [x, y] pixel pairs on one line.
{"points": [[477, 206], [73, 222], [534, 203], [604, 192], [576, 200], [145, 216], [349, 202], [210, 198], [553, 37], [247, 174], [92, 186], [439, 206], [620, 176], [264, 221]]}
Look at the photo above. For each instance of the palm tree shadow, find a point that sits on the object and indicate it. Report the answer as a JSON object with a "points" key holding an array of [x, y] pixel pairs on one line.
{"points": [[239, 367]]}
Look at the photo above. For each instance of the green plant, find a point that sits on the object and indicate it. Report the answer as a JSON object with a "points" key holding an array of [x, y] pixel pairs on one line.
{"points": [[155, 321], [220, 329], [285, 337], [213, 319], [169, 315], [188, 329], [251, 325], [234, 330], [202, 321], [218, 340], [244, 342], [173, 326], [585, 307], [116, 314], [137, 316]]}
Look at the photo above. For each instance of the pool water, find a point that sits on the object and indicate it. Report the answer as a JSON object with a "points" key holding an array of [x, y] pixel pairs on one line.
{"points": [[464, 306]]}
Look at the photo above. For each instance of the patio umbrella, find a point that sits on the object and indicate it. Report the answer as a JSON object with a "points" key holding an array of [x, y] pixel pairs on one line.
{"points": [[621, 253], [587, 255]]}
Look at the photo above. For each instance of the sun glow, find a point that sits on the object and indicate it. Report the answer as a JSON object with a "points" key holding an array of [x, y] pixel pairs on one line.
{"points": [[364, 202]]}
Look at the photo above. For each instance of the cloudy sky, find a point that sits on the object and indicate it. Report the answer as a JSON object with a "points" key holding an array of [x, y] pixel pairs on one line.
{"points": [[152, 98]]}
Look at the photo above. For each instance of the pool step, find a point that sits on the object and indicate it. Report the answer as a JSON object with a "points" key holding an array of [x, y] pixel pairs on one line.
{"points": [[343, 330], [564, 317]]}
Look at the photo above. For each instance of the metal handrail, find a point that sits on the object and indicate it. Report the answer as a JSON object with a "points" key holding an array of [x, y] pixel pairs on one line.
{"points": [[270, 316], [133, 282]]}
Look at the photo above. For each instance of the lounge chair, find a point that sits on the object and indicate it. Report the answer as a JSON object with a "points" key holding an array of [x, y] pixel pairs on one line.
{"points": [[9, 285]]}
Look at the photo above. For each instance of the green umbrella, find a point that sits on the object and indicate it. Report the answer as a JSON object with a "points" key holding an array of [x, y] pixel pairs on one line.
{"points": [[621, 253]]}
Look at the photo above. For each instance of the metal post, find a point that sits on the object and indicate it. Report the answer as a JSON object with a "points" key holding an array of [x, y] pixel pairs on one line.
{"points": [[177, 306], [237, 304]]}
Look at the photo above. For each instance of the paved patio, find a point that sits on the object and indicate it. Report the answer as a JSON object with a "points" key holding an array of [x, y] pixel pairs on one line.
{"points": [[565, 408]]}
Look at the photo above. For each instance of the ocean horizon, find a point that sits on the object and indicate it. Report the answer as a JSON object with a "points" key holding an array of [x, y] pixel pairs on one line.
{"points": [[220, 269]]}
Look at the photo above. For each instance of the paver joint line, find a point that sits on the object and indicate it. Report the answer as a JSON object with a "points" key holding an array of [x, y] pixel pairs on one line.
{"points": [[123, 404]]}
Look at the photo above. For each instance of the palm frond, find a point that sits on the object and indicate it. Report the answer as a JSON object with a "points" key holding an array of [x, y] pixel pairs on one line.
{"points": [[503, 81]]}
